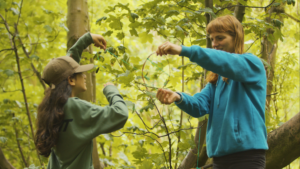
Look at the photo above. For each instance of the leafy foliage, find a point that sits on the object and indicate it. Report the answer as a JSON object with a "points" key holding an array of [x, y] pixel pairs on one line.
{"points": [[133, 31]]}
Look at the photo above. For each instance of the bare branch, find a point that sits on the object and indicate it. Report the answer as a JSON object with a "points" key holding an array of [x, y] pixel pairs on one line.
{"points": [[6, 49], [6, 25], [246, 6], [27, 55], [293, 18]]}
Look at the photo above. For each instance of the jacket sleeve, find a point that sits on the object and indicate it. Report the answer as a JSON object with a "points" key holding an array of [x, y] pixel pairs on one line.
{"points": [[197, 105], [238, 67], [109, 118], [82, 43]]}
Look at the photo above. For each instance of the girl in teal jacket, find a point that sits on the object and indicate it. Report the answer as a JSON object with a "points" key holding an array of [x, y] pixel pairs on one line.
{"points": [[234, 98]]}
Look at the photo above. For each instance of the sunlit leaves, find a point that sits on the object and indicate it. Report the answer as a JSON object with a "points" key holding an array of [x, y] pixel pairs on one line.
{"points": [[108, 33], [98, 22], [48, 28], [8, 72]]}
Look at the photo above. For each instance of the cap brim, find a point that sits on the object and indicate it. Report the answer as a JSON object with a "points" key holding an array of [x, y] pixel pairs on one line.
{"points": [[84, 68]]}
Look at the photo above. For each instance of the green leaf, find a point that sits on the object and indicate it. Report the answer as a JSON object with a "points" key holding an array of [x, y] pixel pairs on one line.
{"points": [[145, 37], [113, 61], [116, 24], [121, 49], [171, 13], [5, 101], [120, 35], [184, 146], [133, 32], [130, 105], [3, 4], [133, 17], [146, 108], [3, 139], [200, 42], [178, 28], [123, 6], [124, 157], [64, 26], [152, 94], [48, 28], [18, 103], [15, 11], [187, 65], [8, 72], [207, 10], [108, 33], [98, 22], [34, 56], [126, 78], [277, 23], [139, 153], [276, 4]]}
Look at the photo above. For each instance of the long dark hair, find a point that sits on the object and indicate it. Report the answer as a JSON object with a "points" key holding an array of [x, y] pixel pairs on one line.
{"points": [[50, 116]]}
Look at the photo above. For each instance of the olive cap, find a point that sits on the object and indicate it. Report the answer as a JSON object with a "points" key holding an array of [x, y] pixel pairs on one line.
{"points": [[58, 69]]}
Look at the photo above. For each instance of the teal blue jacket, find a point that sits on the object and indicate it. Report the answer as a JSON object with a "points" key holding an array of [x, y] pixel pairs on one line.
{"points": [[236, 110]]}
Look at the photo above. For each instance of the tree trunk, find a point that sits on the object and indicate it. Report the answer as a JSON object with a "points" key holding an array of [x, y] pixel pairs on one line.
{"points": [[78, 24], [4, 164], [269, 50], [284, 144], [239, 11], [191, 159]]}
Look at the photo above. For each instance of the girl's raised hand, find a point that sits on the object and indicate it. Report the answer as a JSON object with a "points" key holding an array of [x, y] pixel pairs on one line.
{"points": [[168, 48], [108, 83], [99, 41], [167, 96]]}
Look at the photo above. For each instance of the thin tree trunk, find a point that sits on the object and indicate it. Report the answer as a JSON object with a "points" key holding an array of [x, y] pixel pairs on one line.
{"points": [[269, 50], [19, 147], [239, 11], [191, 159], [4, 164], [78, 24]]}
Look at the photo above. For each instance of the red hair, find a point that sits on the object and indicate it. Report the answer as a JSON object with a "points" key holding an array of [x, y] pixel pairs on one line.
{"points": [[230, 25]]}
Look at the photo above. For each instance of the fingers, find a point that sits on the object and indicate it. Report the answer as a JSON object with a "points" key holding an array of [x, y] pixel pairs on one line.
{"points": [[104, 43], [99, 41], [108, 83], [164, 96], [161, 49]]}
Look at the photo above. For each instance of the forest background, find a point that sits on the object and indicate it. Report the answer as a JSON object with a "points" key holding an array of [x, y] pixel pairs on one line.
{"points": [[32, 32]]}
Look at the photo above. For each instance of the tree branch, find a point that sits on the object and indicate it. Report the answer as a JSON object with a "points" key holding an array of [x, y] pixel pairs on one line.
{"points": [[19, 146], [293, 18], [245, 6], [4, 164], [27, 55]]}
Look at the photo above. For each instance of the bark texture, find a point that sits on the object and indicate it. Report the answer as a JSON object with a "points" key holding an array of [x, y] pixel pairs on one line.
{"points": [[191, 159], [284, 144], [268, 51], [239, 11], [4, 164], [78, 24]]}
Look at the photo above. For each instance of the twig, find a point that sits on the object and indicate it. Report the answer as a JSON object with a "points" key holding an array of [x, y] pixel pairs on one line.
{"points": [[19, 146], [245, 6], [6, 49], [6, 25], [27, 55]]}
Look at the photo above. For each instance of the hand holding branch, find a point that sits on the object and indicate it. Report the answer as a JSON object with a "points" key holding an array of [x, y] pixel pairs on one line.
{"points": [[99, 41], [108, 83], [168, 48], [167, 96]]}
